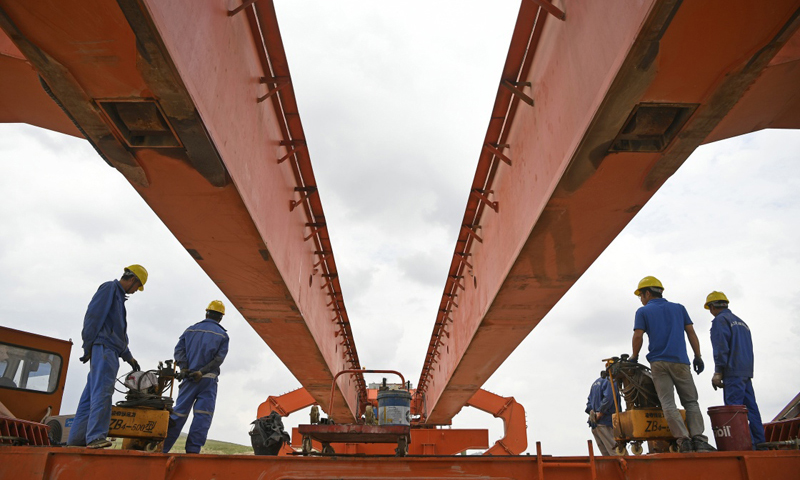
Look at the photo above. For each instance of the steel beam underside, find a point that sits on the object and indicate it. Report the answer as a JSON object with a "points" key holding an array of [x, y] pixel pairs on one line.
{"points": [[241, 231], [23, 463], [564, 198]]}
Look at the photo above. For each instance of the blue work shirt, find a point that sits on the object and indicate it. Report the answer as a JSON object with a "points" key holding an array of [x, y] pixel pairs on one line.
{"points": [[601, 399], [202, 347], [664, 323], [733, 345], [106, 321]]}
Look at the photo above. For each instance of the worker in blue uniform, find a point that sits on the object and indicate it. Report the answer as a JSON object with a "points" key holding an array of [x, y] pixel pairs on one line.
{"points": [[733, 361], [600, 407], [200, 352], [105, 341], [665, 324]]}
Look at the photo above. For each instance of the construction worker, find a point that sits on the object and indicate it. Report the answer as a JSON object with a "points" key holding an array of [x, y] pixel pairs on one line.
{"points": [[733, 361], [200, 352], [600, 407], [665, 323], [105, 341]]}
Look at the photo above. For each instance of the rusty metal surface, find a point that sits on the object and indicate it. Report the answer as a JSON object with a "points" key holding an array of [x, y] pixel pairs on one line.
{"points": [[270, 252], [557, 197], [23, 463]]}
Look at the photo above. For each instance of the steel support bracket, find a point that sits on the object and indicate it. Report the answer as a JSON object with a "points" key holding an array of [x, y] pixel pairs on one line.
{"points": [[513, 87], [305, 193], [280, 83], [245, 4], [551, 9], [495, 150], [482, 197]]}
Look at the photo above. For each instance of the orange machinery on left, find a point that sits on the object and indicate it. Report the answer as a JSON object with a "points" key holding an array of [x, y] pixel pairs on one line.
{"points": [[33, 371]]}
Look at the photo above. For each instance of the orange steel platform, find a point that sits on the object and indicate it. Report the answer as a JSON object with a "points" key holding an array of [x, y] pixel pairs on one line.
{"points": [[79, 464]]}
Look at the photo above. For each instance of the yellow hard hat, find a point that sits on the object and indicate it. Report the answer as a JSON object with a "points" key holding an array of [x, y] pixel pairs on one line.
{"points": [[216, 306], [648, 282], [140, 272], [715, 296]]}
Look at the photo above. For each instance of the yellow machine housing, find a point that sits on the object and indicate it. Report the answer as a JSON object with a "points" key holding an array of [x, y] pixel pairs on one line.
{"points": [[138, 423], [642, 424]]}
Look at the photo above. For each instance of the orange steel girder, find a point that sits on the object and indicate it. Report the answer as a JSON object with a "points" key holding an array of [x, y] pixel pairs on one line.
{"points": [[79, 464], [554, 185], [215, 86]]}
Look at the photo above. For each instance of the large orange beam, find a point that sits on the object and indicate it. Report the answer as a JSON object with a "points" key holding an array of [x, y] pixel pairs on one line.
{"points": [[168, 93], [594, 113], [24, 463]]}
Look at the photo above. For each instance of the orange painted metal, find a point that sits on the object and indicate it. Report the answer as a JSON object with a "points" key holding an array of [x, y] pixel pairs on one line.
{"points": [[30, 405], [76, 463], [22, 98], [236, 163], [424, 441], [566, 183], [515, 435], [286, 404]]}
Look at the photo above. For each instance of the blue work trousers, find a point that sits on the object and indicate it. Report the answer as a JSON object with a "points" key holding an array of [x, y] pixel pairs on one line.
{"points": [[94, 408], [739, 391], [202, 396]]}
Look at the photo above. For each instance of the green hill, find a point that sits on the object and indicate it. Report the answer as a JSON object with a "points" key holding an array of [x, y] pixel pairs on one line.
{"points": [[212, 447]]}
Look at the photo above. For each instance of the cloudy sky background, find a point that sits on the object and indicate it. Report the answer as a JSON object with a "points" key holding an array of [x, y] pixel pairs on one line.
{"points": [[395, 100]]}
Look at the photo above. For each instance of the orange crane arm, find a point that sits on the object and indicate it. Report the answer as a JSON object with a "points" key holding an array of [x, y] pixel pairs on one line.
{"points": [[515, 436], [595, 110], [287, 403]]}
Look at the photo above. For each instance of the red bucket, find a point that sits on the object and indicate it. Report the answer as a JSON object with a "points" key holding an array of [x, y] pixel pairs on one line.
{"points": [[731, 430]]}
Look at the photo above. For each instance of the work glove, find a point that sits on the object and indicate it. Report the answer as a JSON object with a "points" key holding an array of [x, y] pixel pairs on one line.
{"points": [[634, 359], [699, 366], [592, 421], [134, 365], [716, 381], [196, 375], [87, 355]]}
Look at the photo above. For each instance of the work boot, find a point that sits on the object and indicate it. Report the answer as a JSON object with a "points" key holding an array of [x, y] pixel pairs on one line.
{"points": [[685, 446], [701, 445], [101, 442]]}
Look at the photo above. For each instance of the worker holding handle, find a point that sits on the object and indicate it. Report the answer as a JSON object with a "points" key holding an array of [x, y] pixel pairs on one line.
{"points": [[200, 352], [105, 341], [665, 324], [733, 361]]}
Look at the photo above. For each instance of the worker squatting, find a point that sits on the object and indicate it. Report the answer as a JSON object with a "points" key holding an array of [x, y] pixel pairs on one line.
{"points": [[665, 324], [200, 351]]}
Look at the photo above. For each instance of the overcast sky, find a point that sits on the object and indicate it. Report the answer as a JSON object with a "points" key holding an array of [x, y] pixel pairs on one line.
{"points": [[395, 100]]}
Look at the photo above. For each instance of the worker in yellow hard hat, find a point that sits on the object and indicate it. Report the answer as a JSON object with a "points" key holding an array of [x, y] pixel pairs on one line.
{"points": [[105, 341], [665, 324], [200, 352], [733, 361]]}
